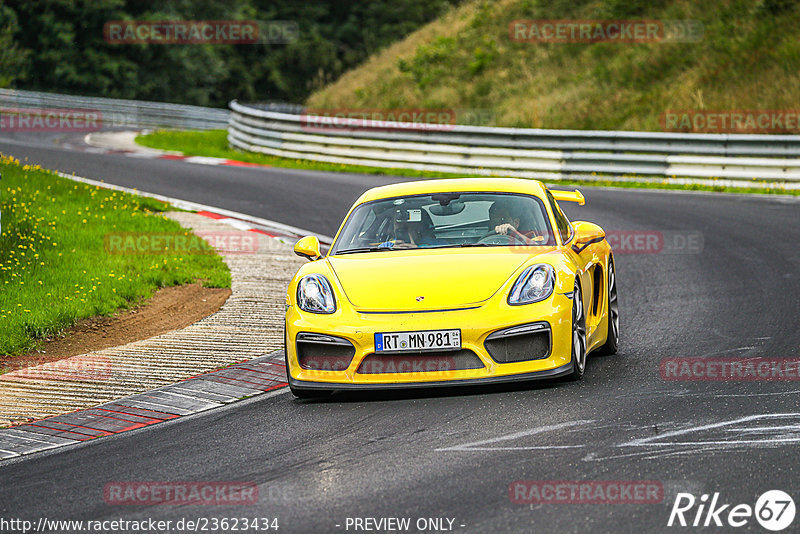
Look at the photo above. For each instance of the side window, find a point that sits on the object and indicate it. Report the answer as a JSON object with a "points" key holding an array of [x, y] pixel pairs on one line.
{"points": [[564, 228]]}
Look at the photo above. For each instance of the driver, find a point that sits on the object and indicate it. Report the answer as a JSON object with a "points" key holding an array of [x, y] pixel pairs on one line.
{"points": [[503, 221], [414, 229]]}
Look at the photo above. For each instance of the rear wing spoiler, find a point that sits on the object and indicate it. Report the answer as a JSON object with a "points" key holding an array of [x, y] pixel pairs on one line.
{"points": [[569, 196]]}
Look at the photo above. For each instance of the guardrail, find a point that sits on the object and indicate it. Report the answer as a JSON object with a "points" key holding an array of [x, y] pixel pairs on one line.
{"points": [[119, 113], [737, 159]]}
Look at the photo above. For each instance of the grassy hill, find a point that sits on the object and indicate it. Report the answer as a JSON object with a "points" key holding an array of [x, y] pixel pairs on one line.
{"points": [[748, 58]]}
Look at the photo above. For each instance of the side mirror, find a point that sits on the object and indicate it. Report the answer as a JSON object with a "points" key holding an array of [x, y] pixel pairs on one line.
{"points": [[308, 247], [586, 231]]}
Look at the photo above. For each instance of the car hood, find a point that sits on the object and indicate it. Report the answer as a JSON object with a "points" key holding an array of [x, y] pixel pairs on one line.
{"points": [[445, 279]]}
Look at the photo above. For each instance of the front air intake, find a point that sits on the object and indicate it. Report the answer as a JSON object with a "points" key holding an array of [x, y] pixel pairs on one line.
{"points": [[519, 343], [322, 352]]}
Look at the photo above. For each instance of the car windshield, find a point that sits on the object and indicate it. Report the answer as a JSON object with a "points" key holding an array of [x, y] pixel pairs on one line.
{"points": [[445, 220]]}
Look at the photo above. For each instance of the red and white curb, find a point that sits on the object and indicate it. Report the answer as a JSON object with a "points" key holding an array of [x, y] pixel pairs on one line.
{"points": [[211, 390], [199, 160], [241, 221], [124, 144], [240, 224], [207, 160], [253, 377]]}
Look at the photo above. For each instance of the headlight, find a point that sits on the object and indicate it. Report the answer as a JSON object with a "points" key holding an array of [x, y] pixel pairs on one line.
{"points": [[314, 294], [534, 284]]}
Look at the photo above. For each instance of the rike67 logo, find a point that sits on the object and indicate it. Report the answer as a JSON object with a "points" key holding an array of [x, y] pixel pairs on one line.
{"points": [[774, 510]]}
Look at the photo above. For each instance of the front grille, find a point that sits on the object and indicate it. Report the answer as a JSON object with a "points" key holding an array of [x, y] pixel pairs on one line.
{"points": [[520, 343], [322, 352], [420, 362]]}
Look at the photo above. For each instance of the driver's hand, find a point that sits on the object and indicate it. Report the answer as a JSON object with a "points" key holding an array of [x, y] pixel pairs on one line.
{"points": [[504, 229]]}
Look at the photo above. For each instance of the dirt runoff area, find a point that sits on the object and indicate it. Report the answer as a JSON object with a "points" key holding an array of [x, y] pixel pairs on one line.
{"points": [[170, 308]]}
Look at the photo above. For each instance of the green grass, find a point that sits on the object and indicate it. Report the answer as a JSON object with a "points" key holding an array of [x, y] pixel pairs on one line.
{"points": [[214, 143], [54, 264]]}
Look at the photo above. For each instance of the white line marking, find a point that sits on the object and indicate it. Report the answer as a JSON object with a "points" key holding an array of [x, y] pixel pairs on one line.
{"points": [[475, 446], [724, 443], [747, 394], [738, 349], [240, 225], [647, 455], [142, 155], [531, 448], [205, 160], [649, 441], [764, 428]]}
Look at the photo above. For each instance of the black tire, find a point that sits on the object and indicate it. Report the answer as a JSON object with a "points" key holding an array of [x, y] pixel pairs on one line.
{"points": [[612, 339], [578, 351]]}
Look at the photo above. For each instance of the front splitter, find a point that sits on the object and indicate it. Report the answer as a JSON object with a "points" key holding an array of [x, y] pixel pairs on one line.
{"points": [[304, 385]]}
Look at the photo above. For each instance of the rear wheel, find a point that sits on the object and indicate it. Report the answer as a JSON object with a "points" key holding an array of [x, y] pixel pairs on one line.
{"points": [[612, 339], [578, 334]]}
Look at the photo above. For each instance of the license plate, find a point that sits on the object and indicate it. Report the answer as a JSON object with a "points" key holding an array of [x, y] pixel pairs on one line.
{"points": [[418, 341]]}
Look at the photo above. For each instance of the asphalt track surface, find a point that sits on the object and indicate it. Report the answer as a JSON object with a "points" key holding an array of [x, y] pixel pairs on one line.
{"points": [[454, 453]]}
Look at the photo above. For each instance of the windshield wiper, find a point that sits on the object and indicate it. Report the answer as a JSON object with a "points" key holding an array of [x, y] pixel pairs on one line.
{"points": [[363, 249], [382, 249], [460, 245]]}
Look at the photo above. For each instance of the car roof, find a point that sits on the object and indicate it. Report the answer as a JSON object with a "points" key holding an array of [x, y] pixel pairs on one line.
{"points": [[421, 187]]}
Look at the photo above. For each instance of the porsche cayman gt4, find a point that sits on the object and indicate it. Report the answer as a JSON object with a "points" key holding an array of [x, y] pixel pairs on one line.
{"points": [[451, 282]]}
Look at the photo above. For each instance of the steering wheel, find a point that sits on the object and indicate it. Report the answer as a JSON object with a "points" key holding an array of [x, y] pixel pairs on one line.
{"points": [[493, 238]]}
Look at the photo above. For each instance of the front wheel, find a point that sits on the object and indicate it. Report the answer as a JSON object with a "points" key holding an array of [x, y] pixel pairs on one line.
{"points": [[612, 339], [578, 334]]}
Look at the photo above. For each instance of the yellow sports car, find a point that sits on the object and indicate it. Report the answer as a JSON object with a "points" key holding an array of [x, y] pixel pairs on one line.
{"points": [[451, 282]]}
